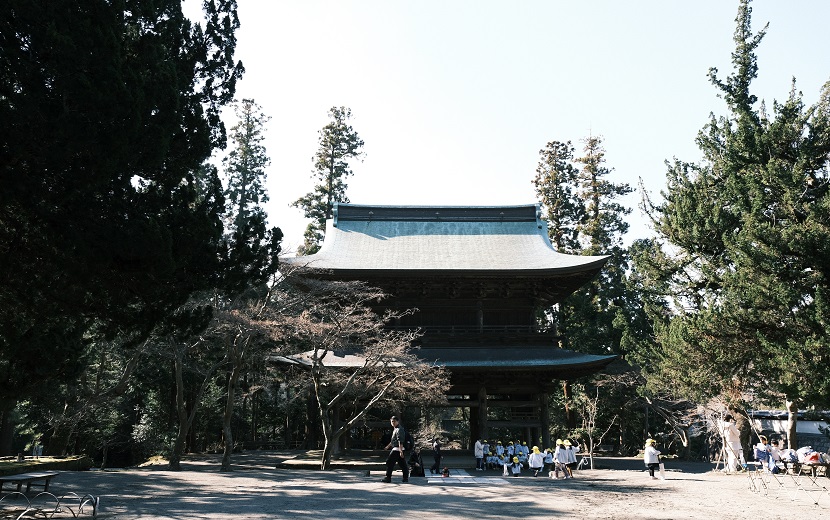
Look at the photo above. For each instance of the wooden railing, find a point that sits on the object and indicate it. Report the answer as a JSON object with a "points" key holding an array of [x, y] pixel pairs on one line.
{"points": [[481, 334]]}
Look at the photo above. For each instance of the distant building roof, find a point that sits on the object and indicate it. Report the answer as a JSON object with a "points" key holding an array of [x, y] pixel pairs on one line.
{"points": [[424, 239]]}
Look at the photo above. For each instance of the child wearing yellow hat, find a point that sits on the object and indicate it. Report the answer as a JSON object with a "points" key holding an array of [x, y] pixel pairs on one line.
{"points": [[560, 460], [548, 459], [536, 461], [516, 467], [651, 456], [570, 453]]}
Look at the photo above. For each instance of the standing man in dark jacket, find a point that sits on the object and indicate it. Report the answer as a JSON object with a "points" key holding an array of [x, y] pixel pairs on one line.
{"points": [[396, 456]]}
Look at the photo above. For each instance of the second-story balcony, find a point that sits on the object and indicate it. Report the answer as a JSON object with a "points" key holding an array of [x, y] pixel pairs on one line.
{"points": [[482, 335]]}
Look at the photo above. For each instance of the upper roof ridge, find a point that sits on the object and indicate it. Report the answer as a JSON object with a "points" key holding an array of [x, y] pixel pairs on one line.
{"points": [[363, 212]]}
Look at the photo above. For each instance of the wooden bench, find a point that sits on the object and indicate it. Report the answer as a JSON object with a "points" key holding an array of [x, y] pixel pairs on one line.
{"points": [[28, 479]]}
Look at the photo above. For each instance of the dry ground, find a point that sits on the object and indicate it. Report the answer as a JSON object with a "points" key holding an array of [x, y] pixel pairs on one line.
{"points": [[257, 491]]}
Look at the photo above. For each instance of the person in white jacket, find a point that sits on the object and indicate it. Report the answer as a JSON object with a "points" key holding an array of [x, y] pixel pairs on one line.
{"points": [[560, 460], [651, 457], [570, 453], [536, 461], [732, 444], [478, 452]]}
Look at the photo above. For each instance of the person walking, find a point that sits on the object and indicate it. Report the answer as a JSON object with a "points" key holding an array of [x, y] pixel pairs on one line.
{"points": [[397, 455], [536, 461], [651, 457], [436, 456]]}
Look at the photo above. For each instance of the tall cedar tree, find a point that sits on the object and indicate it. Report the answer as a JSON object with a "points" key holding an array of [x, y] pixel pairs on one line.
{"points": [[749, 233], [338, 144], [244, 166], [580, 205], [555, 182], [108, 110], [251, 248], [252, 260]]}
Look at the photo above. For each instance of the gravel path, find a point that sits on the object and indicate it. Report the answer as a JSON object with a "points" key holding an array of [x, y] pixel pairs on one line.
{"points": [[256, 491]]}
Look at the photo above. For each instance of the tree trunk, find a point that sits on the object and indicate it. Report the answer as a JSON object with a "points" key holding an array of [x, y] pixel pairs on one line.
{"points": [[335, 425], [181, 414], [792, 423], [687, 446], [742, 422], [310, 438], [227, 418], [59, 440], [7, 427], [184, 416], [328, 443], [570, 413], [105, 450]]}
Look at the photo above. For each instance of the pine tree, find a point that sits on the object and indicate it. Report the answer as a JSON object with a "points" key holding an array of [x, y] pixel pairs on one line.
{"points": [[252, 249], [585, 218], [338, 144], [748, 229]]}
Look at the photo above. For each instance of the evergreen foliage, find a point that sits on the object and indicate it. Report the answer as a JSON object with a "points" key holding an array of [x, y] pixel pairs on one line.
{"points": [[605, 315], [244, 166], [338, 144], [743, 242], [251, 250], [555, 182], [109, 110], [584, 217]]}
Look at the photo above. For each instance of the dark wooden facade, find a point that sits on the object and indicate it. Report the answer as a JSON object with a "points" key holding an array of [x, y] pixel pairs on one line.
{"points": [[478, 277]]}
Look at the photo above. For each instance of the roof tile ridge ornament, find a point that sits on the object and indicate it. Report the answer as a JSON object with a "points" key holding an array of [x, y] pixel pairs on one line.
{"points": [[541, 224], [335, 210]]}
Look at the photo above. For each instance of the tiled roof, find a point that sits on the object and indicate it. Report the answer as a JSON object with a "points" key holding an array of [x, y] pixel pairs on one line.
{"points": [[445, 238]]}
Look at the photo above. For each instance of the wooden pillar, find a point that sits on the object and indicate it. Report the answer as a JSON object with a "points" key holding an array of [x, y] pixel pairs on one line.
{"points": [[544, 419], [475, 432], [482, 412]]}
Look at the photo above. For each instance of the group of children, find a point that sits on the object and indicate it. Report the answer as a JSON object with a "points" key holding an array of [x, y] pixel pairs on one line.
{"points": [[514, 457], [770, 455]]}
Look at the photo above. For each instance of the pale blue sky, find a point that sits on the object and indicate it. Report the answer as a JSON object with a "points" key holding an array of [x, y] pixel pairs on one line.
{"points": [[454, 99]]}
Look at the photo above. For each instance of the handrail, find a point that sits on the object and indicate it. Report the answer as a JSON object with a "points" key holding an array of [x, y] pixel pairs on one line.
{"points": [[475, 329]]}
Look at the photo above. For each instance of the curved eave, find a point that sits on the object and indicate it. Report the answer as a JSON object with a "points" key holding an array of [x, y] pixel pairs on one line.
{"points": [[589, 269], [554, 362]]}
